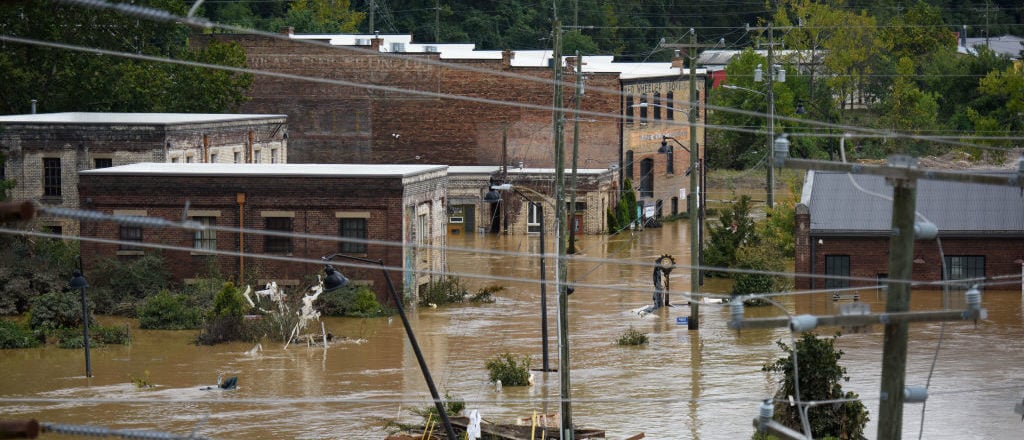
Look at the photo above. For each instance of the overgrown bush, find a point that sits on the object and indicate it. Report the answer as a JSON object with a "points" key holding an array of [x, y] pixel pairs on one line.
{"points": [[351, 300], [509, 369], [735, 228], [57, 310], [16, 335], [759, 258], [820, 377], [120, 287], [32, 266], [633, 336], [166, 311], [98, 336], [224, 320], [451, 289]]}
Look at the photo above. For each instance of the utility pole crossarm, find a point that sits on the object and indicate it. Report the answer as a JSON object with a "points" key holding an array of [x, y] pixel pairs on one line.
{"points": [[904, 173], [864, 320]]}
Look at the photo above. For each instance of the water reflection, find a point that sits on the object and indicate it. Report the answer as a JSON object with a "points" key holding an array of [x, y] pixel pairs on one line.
{"points": [[685, 384]]}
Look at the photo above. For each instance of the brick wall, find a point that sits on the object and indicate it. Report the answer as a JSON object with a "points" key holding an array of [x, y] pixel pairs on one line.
{"points": [[869, 256], [79, 145], [350, 124], [312, 202]]}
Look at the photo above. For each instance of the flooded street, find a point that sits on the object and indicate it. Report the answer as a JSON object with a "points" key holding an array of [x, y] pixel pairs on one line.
{"points": [[704, 384]]}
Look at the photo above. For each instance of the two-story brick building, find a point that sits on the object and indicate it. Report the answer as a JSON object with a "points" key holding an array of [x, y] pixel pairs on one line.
{"points": [[391, 212], [46, 151], [843, 230]]}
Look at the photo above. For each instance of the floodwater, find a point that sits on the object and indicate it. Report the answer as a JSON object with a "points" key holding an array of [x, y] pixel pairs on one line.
{"points": [[704, 384]]}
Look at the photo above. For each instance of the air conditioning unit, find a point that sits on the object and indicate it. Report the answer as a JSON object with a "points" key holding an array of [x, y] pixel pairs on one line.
{"points": [[362, 41], [398, 47]]}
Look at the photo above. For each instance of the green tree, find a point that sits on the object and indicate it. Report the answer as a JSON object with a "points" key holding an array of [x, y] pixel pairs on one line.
{"points": [[820, 379], [119, 287], [66, 80], [322, 17], [735, 229], [32, 266], [758, 258], [908, 108]]}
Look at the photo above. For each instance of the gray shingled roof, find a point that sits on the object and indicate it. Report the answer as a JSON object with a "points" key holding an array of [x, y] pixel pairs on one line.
{"points": [[838, 207]]}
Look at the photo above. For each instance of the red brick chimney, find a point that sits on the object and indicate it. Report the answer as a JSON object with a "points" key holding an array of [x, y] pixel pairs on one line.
{"points": [[506, 58]]}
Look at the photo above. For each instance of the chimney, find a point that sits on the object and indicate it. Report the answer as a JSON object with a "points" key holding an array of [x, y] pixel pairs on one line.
{"points": [[376, 42], [677, 60], [288, 30], [507, 56]]}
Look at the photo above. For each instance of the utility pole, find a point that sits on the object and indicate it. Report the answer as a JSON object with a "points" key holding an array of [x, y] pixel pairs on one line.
{"points": [[693, 323], [901, 255], [902, 172], [575, 152], [561, 269], [770, 93], [437, 21], [373, 7]]}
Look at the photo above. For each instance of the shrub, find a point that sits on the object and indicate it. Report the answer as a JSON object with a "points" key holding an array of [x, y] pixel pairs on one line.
{"points": [[57, 310], [452, 407], [98, 336], [165, 311], [120, 287], [352, 300], [224, 321], [451, 289], [31, 267], [759, 258], [820, 376], [15, 335], [735, 229], [511, 371], [633, 336]]}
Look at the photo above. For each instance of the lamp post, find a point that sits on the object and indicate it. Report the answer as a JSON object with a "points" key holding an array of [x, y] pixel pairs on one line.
{"points": [[335, 280], [78, 282], [493, 196]]}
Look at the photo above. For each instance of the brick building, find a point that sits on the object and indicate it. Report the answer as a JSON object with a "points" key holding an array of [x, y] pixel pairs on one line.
{"points": [[395, 213], [355, 124], [843, 231], [656, 134], [46, 151]]}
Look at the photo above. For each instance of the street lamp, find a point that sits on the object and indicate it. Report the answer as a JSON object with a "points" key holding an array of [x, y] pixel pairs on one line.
{"points": [[335, 280], [78, 282], [493, 196]]}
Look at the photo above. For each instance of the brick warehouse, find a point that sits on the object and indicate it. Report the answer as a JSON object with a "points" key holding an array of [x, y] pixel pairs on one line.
{"points": [[339, 124], [843, 231], [400, 204], [46, 151]]}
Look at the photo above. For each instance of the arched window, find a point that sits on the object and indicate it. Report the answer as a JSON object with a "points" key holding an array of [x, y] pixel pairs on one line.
{"points": [[657, 105], [647, 177]]}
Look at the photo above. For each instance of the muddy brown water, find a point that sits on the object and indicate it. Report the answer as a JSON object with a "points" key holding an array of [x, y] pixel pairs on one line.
{"points": [[704, 384]]}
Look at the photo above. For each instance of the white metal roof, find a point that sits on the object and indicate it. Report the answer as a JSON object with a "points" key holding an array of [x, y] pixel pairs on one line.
{"points": [[130, 118], [279, 170]]}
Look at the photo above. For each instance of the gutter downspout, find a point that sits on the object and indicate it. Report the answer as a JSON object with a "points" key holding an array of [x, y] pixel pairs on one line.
{"points": [[251, 141], [206, 148]]}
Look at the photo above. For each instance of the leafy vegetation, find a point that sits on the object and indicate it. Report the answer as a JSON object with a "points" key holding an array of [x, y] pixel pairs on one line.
{"points": [[624, 215], [734, 229], [57, 310], [224, 320], [453, 290], [510, 370], [98, 336], [167, 311], [32, 266], [67, 80], [15, 335], [119, 287], [820, 379], [633, 336]]}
